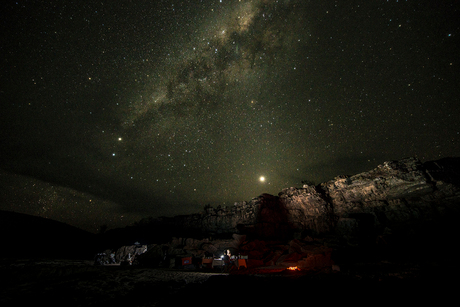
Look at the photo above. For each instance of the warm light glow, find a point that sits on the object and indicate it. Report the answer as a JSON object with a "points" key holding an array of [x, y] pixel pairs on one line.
{"points": [[292, 268], [262, 178]]}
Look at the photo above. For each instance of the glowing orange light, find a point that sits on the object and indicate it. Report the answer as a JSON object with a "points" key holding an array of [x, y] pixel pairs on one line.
{"points": [[292, 268]]}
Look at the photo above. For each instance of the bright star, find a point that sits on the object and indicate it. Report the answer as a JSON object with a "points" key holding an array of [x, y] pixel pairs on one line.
{"points": [[262, 179]]}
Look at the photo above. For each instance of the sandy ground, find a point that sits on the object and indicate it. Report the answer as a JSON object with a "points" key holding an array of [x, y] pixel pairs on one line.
{"points": [[80, 283]]}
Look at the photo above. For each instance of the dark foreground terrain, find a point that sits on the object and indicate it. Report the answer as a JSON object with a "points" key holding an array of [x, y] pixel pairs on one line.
{"points": [[79, 283]]}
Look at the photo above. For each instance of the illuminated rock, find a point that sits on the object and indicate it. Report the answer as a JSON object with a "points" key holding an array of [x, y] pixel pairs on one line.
{"points": [[396, 197]]}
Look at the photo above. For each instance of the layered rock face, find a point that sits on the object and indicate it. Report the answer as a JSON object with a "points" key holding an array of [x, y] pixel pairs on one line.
{"points": [[396, 196], [393, 207]]}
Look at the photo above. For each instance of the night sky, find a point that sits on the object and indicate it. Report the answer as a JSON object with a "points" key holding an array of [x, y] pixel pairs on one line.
{"points": [[112, 111]]}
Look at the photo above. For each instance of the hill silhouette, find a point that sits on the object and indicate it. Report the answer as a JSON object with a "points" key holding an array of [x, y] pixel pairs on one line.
{"points": [[27, 236]]}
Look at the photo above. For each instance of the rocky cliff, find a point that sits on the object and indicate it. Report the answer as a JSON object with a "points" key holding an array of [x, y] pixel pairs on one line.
{"points": [[396, 197]]}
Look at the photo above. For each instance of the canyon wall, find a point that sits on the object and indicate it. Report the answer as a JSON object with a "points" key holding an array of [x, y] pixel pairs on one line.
{"points": [[396, 197]]}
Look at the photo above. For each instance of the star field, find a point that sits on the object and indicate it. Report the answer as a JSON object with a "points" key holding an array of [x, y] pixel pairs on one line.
{"points": [[155, 108]]}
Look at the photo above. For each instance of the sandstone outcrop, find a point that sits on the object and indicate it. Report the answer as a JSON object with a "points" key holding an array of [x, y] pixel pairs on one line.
{"points": [[308, 227], [396, 196]]}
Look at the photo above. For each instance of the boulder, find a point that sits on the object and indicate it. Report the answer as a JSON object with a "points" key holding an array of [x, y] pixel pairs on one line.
{"points": [[125, 253], [316, 261], [273, 257], [290, 259], [155, 255]]}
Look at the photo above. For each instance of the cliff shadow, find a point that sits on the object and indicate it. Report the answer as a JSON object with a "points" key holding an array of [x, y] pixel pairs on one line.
{"points": [[272, 219]]}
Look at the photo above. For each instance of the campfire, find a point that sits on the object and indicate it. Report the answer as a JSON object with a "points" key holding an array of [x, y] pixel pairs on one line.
{"points": [[293, 268]]}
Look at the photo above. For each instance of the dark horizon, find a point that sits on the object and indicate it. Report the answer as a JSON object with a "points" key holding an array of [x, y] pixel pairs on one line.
{"points": [[115, 111], [11, 183]]}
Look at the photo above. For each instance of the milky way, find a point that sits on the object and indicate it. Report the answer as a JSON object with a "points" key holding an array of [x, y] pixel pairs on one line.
{"points": [[152, 108], [209, 112]]}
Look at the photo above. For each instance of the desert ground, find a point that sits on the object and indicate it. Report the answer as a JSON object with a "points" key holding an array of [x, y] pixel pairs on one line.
{"points": [[80, 283]]}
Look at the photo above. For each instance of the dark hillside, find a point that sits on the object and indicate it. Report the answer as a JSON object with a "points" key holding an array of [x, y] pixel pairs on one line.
{"points": [[26, 236]]}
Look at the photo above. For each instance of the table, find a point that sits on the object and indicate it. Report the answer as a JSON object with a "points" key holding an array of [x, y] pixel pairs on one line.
{"points": [[217, 262]]}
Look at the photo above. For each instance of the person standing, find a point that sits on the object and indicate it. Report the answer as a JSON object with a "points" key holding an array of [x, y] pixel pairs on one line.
{"points": [[227, 261]]}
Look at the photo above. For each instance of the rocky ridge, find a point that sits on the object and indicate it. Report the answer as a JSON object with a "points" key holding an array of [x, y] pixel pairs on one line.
{"points": [[396, 196], [396, 206]]}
